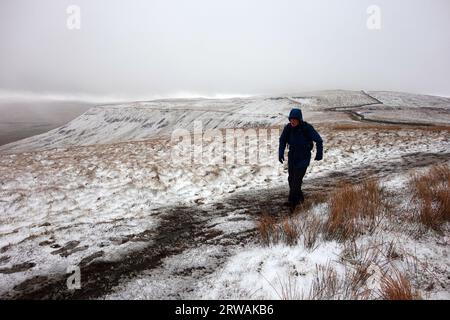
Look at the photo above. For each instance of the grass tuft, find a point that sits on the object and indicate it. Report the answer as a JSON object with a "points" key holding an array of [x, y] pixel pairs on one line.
{"points": [[355, 209], [431, 194], [397, 287]]}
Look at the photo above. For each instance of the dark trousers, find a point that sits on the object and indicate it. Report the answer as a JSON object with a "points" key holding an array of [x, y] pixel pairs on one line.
{"points": [[295, 184]]}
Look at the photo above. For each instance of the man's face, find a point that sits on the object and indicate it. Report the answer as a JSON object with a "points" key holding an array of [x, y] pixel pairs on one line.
{"points": [[294, 122]]}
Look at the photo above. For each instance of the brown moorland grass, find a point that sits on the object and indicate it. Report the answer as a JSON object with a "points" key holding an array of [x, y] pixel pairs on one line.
{"points": [[397, 287], [273, 231], [355, 209], [431, 193], [268, 230], [289, 231]]}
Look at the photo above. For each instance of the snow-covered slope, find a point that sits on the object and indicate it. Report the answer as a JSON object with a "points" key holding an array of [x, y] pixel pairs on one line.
{"points": [[401, 99], [144, 120], [406, 107], [105, 124], [319, 100]]}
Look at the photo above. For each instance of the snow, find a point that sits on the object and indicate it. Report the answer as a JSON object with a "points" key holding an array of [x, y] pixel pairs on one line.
{"points": [[109, 175], [261, 273], [410, 100], [174, 279], [143, 120], [288, 272]]}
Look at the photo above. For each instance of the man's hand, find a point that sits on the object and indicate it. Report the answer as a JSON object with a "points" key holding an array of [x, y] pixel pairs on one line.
{"points": [[281, 159], [318, 157]]}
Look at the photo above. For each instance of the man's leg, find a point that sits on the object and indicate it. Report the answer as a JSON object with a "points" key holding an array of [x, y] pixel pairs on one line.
{"points": [[301, 173], [295, 184], [291, 180]]}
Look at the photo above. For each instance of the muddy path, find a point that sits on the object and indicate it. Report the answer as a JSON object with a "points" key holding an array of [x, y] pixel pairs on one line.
{"points": [[185, 227]]}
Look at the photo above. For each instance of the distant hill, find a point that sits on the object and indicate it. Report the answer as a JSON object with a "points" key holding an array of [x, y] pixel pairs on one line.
{"points": [[111, 123]]}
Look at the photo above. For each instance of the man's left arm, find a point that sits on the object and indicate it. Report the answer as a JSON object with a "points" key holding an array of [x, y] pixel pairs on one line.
{"points": [[315, 136]]}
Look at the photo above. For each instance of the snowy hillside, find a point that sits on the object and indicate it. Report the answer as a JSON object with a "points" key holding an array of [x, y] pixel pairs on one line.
{"points": [[412, 108], [106, 193], [143, 120]]}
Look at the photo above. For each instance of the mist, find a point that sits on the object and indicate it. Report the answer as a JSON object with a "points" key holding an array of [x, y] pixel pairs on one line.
{"points": [[137, 50]]}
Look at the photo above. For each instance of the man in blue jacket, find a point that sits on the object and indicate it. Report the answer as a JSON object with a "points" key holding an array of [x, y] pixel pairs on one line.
{"points": [[299, 135]]}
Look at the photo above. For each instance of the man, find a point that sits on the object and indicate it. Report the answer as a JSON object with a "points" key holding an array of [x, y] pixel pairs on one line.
{"points": [[299, 135]]}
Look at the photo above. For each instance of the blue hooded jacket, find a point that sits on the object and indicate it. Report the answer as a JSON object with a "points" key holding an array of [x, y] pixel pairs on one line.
{"points": [[299, 139]]}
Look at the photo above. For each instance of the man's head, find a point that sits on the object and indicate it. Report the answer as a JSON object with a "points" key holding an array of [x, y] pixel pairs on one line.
{"points": [[295, 117]]}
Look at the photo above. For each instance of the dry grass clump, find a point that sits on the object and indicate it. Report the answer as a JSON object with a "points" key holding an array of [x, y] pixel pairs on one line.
{"points": [[326, 284], [268, 230], [289, 232], [397, 287], [289, 289], [354, 210], [431, 194], [360, 261], [310, 229], [354, 283], [272, 231]]}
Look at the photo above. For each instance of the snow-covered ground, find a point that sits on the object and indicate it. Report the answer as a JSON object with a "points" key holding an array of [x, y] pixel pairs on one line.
{"points": [[291, 272], [109, 193]]}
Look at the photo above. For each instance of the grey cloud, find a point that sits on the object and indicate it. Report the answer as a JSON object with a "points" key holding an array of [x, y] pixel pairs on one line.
{"points": [[162, 48]]}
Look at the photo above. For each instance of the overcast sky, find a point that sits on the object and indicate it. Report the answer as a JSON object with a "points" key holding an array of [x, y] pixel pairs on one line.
{"points": [[141, 49]]}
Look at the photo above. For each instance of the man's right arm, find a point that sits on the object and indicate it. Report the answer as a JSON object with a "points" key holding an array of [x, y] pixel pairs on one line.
{"points": [[282, 146]]}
